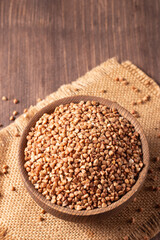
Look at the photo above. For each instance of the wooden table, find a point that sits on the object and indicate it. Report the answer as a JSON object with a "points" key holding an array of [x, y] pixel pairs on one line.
{"points": [[46, 43]]}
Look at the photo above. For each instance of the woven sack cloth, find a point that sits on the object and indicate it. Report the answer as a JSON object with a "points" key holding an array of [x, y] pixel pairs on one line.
{"points": [[19, 213]]}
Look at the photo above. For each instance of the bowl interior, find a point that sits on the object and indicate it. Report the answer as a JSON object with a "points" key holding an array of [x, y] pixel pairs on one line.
{"points": [[59, 210]]}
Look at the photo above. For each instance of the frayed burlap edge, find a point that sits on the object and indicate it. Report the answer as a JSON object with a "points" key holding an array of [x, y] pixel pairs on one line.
{"points": [[152, 227]]}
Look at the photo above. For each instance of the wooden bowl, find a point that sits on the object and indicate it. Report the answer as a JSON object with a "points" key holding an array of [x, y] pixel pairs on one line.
{"points": [[74, 215]]}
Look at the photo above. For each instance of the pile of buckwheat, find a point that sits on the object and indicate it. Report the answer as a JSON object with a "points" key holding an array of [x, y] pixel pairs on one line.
{"points": [[83, 155]]}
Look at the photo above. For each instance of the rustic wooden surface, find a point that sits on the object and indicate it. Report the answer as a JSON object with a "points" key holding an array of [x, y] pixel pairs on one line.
{"points": [[45, 43]]}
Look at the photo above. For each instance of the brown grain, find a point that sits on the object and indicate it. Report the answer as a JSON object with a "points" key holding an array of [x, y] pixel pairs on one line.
{"points": [[17, 134], [103, 91], [41, 219], [15, 113], [134, 103], [39, 100], [132, 220], [15, 101], [83, 144], [43, 211], [4, 98], [140, 210], [11, 118], [157, 159]]}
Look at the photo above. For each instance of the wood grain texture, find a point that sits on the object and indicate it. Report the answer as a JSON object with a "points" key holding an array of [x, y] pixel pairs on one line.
{"points": [[44, 44]]}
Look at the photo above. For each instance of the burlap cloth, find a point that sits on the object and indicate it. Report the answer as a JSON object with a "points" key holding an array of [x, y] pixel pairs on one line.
{"points": [[19, 213]]}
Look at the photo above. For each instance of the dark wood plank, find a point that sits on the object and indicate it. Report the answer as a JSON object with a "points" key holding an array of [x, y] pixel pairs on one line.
{"points": [[47, 43], [44, 44]]}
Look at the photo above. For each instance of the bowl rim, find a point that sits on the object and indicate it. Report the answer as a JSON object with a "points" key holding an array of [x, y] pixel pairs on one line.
{"points": [[60, 210]]}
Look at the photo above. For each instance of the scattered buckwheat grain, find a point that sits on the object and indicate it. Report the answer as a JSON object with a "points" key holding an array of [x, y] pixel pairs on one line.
{"points": [[15, 113], [76, 89], [135, 89], [4, 98], [147, 83], [40, 219], [103, 91], [125, 83], [134, 103], [15, 101], [133, 111], [17, 134], [5, 166], [146, 98], [132, 220], [39, 99], [43, 211], [11, 118], [157, 159], [140, 209], [5, 169]]}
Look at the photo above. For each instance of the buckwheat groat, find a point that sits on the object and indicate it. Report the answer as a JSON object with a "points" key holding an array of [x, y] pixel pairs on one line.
{"points": [[83, 155]]}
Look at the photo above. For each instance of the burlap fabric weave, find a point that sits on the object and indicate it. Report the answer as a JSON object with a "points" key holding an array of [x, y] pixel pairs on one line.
{"points": [[19, 213]]}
